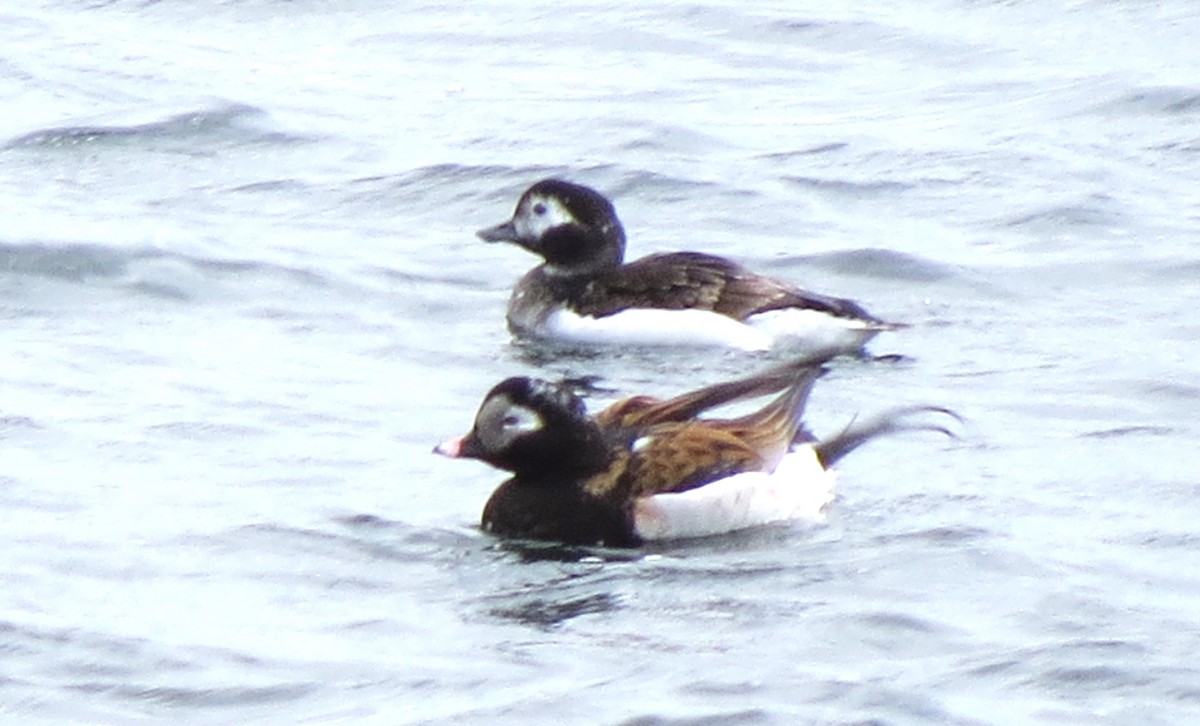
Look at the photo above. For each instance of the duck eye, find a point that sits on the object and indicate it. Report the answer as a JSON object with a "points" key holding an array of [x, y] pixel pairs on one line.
{"points": [[520, 420], [539, 209]]}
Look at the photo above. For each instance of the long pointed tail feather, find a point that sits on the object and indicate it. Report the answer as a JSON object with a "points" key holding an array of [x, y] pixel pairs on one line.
{"points": [[787, 410], [644, 411], [894, 421]]}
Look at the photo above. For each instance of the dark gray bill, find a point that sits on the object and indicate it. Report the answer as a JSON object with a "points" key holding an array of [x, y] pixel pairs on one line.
{"points": [[505, 232]]}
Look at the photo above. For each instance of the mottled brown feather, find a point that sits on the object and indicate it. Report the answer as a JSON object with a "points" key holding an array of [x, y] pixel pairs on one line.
{"points": [[694, 280], [666, 450], [610, 483], [678, 457]]}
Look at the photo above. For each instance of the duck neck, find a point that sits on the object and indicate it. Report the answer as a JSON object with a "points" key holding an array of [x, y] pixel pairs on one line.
{"points": [[572, 252], [581, 453]]}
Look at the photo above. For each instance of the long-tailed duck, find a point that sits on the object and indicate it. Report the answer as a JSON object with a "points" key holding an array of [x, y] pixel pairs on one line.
{"points": [[648, 469], [584, 292]]}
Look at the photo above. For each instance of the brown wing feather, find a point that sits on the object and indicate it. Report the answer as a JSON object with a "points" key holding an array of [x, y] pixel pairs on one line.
{"points": [[694, 280], [642, 411], [677, 457], [629, 412], [674, 456]]}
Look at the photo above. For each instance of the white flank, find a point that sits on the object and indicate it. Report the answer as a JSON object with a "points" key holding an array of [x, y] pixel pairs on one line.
{"points": [[651, 327], [813, 328], [799, 488]]}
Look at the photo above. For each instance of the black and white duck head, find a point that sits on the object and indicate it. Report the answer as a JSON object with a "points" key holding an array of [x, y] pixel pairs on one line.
{"points": [[535, 429], [574, 228]]}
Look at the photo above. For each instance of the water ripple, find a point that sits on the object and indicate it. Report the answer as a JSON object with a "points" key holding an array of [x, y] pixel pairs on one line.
{"points": [[223, 119], [151, 271], [206, 697], [1160, 100], [876, 262]]}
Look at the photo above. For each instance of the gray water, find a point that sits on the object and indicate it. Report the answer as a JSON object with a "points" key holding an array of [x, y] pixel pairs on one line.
{"points": [[241, 300]]}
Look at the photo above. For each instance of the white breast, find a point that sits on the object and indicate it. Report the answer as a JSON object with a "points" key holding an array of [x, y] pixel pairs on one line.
{"points": [[649, 327], [799, 488], [812, 328], [701, 328]]}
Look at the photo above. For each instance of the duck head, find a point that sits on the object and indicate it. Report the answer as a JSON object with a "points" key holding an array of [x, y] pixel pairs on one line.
{"points": [[540, 431], [572, 227]]}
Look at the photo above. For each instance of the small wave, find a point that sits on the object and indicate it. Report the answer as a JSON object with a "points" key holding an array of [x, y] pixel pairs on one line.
{"points": [[1096, 213], [150, 271], [897, 622], [943, 535], [740, 717], [1089, 677], [1073, 667], [72, 262], [352, 535], [1155, 100], [657, 186], [13, 424], [875, 262], [205, 430], [548, 613], [849, 187], [1174, 270], [1167, 390], [661, 138], [448, 174], [210, 697], [827, 148], [442, 186], [1123, 431], [221, 119]]}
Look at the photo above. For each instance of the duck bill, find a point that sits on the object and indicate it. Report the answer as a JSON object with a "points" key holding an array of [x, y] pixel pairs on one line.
{"points": [[462, 447], [504, 232]]}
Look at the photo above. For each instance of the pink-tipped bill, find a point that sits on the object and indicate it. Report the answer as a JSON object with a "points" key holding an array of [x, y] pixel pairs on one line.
{"points": [[452, 448]]}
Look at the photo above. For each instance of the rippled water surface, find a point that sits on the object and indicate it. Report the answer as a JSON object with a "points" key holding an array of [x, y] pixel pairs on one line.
{"points": [[241, 299]]}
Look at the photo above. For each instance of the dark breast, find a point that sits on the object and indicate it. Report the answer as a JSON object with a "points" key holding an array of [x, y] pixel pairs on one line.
{"points": [[559, 514]]}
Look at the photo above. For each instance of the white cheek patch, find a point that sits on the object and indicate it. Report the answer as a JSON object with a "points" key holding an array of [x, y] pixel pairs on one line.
{"points": [[500, 421], [654, 327], [538, 214], [798, 488], [521, 420]]}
